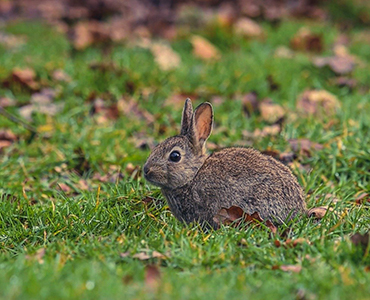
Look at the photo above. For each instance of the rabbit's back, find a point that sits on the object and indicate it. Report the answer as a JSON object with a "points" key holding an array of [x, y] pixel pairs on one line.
{"points": [[246, 178]]}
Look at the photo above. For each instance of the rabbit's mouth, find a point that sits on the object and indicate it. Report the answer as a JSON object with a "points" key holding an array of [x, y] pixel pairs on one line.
{"points": [[150, 176]]}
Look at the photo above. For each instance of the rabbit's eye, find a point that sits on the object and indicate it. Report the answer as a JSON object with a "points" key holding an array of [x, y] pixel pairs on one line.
{"points": [[175, 156]]}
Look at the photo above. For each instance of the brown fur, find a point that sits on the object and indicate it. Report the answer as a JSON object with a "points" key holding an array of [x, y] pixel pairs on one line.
{"points": [[198, 186]]}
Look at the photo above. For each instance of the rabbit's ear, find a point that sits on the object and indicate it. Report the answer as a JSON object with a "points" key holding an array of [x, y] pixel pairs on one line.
{"points": [[202, 123], [187, 114]]}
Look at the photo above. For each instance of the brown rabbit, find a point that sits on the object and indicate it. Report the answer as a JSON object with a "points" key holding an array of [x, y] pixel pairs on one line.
{"points": [[197, 185]]}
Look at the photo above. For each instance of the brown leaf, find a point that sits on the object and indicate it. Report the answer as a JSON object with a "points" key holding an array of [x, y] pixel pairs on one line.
{"points": [[147, 200], [317, 102], [229, 215], [146, 255], [203, 49], [267, 131], [25, 77], [270, 111], [291, 268], [318, 212], [289, 243], [84, 34], [305, 40], [235, 215], [7, 138], [42, 103], [304, 146], [64, 187], [284, 52], [131, 108], [6, 102], [165, 56], [60, 75], [360, 239], [177, 100], [362, 198], [39, 255], [341, 63], [248, 28], [152, 276], [250, 103]]}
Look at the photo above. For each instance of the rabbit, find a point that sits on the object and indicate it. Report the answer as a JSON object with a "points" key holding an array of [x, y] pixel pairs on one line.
{"points": [[197, 185]]}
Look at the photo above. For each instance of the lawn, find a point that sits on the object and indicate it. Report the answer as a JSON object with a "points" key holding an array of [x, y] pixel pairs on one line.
{"points": [[77, 219]]}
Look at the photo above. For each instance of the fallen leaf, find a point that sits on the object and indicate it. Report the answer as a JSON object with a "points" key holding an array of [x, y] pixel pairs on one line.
{"points": [[359, 239], [131, 108], [146, 255], [289, 243], [284, 52], [235, 215], [291, 268], [267, 131], [362, 198], [305, 40], [304, 146], [341, 63], [39, 255], [344, 81], [250, 103], [165, 56], [203, 49], [60, 75], [318, 212], [317, 102], [85, 34], [64, 187], [248, 28], [7, 138], [270, 111], [177, 100], [42, 103], [6, 102], [25, 77], [11, 41], [152, 276]]}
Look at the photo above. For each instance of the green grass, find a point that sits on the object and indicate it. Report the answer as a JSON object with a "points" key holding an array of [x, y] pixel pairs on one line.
{"points": [[84, 232]]}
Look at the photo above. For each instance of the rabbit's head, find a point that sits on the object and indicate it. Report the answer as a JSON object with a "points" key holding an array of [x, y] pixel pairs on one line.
{"points": [[175, 161]]}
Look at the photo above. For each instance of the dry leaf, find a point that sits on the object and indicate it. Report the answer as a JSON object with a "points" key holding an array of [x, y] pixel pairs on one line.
{"points": [[6, 138], [360, 239], [317, 102], [152, 276], [341, 63], [165, 56], [131, 108], [267, 131], [39, 255], [6, 102], [362, 198], [84, 34], [64, 187], [305, 40], [235, 215], [318, 212], [271, 112], [26, 77], [250, 103], [304, 146], [291, 268], [248, 28], [146, 256], [203, 49], [60, 75], [283, 52]]}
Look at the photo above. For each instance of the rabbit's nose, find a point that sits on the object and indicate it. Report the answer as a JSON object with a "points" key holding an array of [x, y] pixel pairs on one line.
{"points": [[146, 170]]}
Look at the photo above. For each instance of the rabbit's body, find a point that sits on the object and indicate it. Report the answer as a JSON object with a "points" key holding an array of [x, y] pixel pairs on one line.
{"points": [[198, 186]]}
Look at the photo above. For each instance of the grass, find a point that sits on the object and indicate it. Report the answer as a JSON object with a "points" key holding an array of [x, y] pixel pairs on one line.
{"points": [[85, 232]]}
